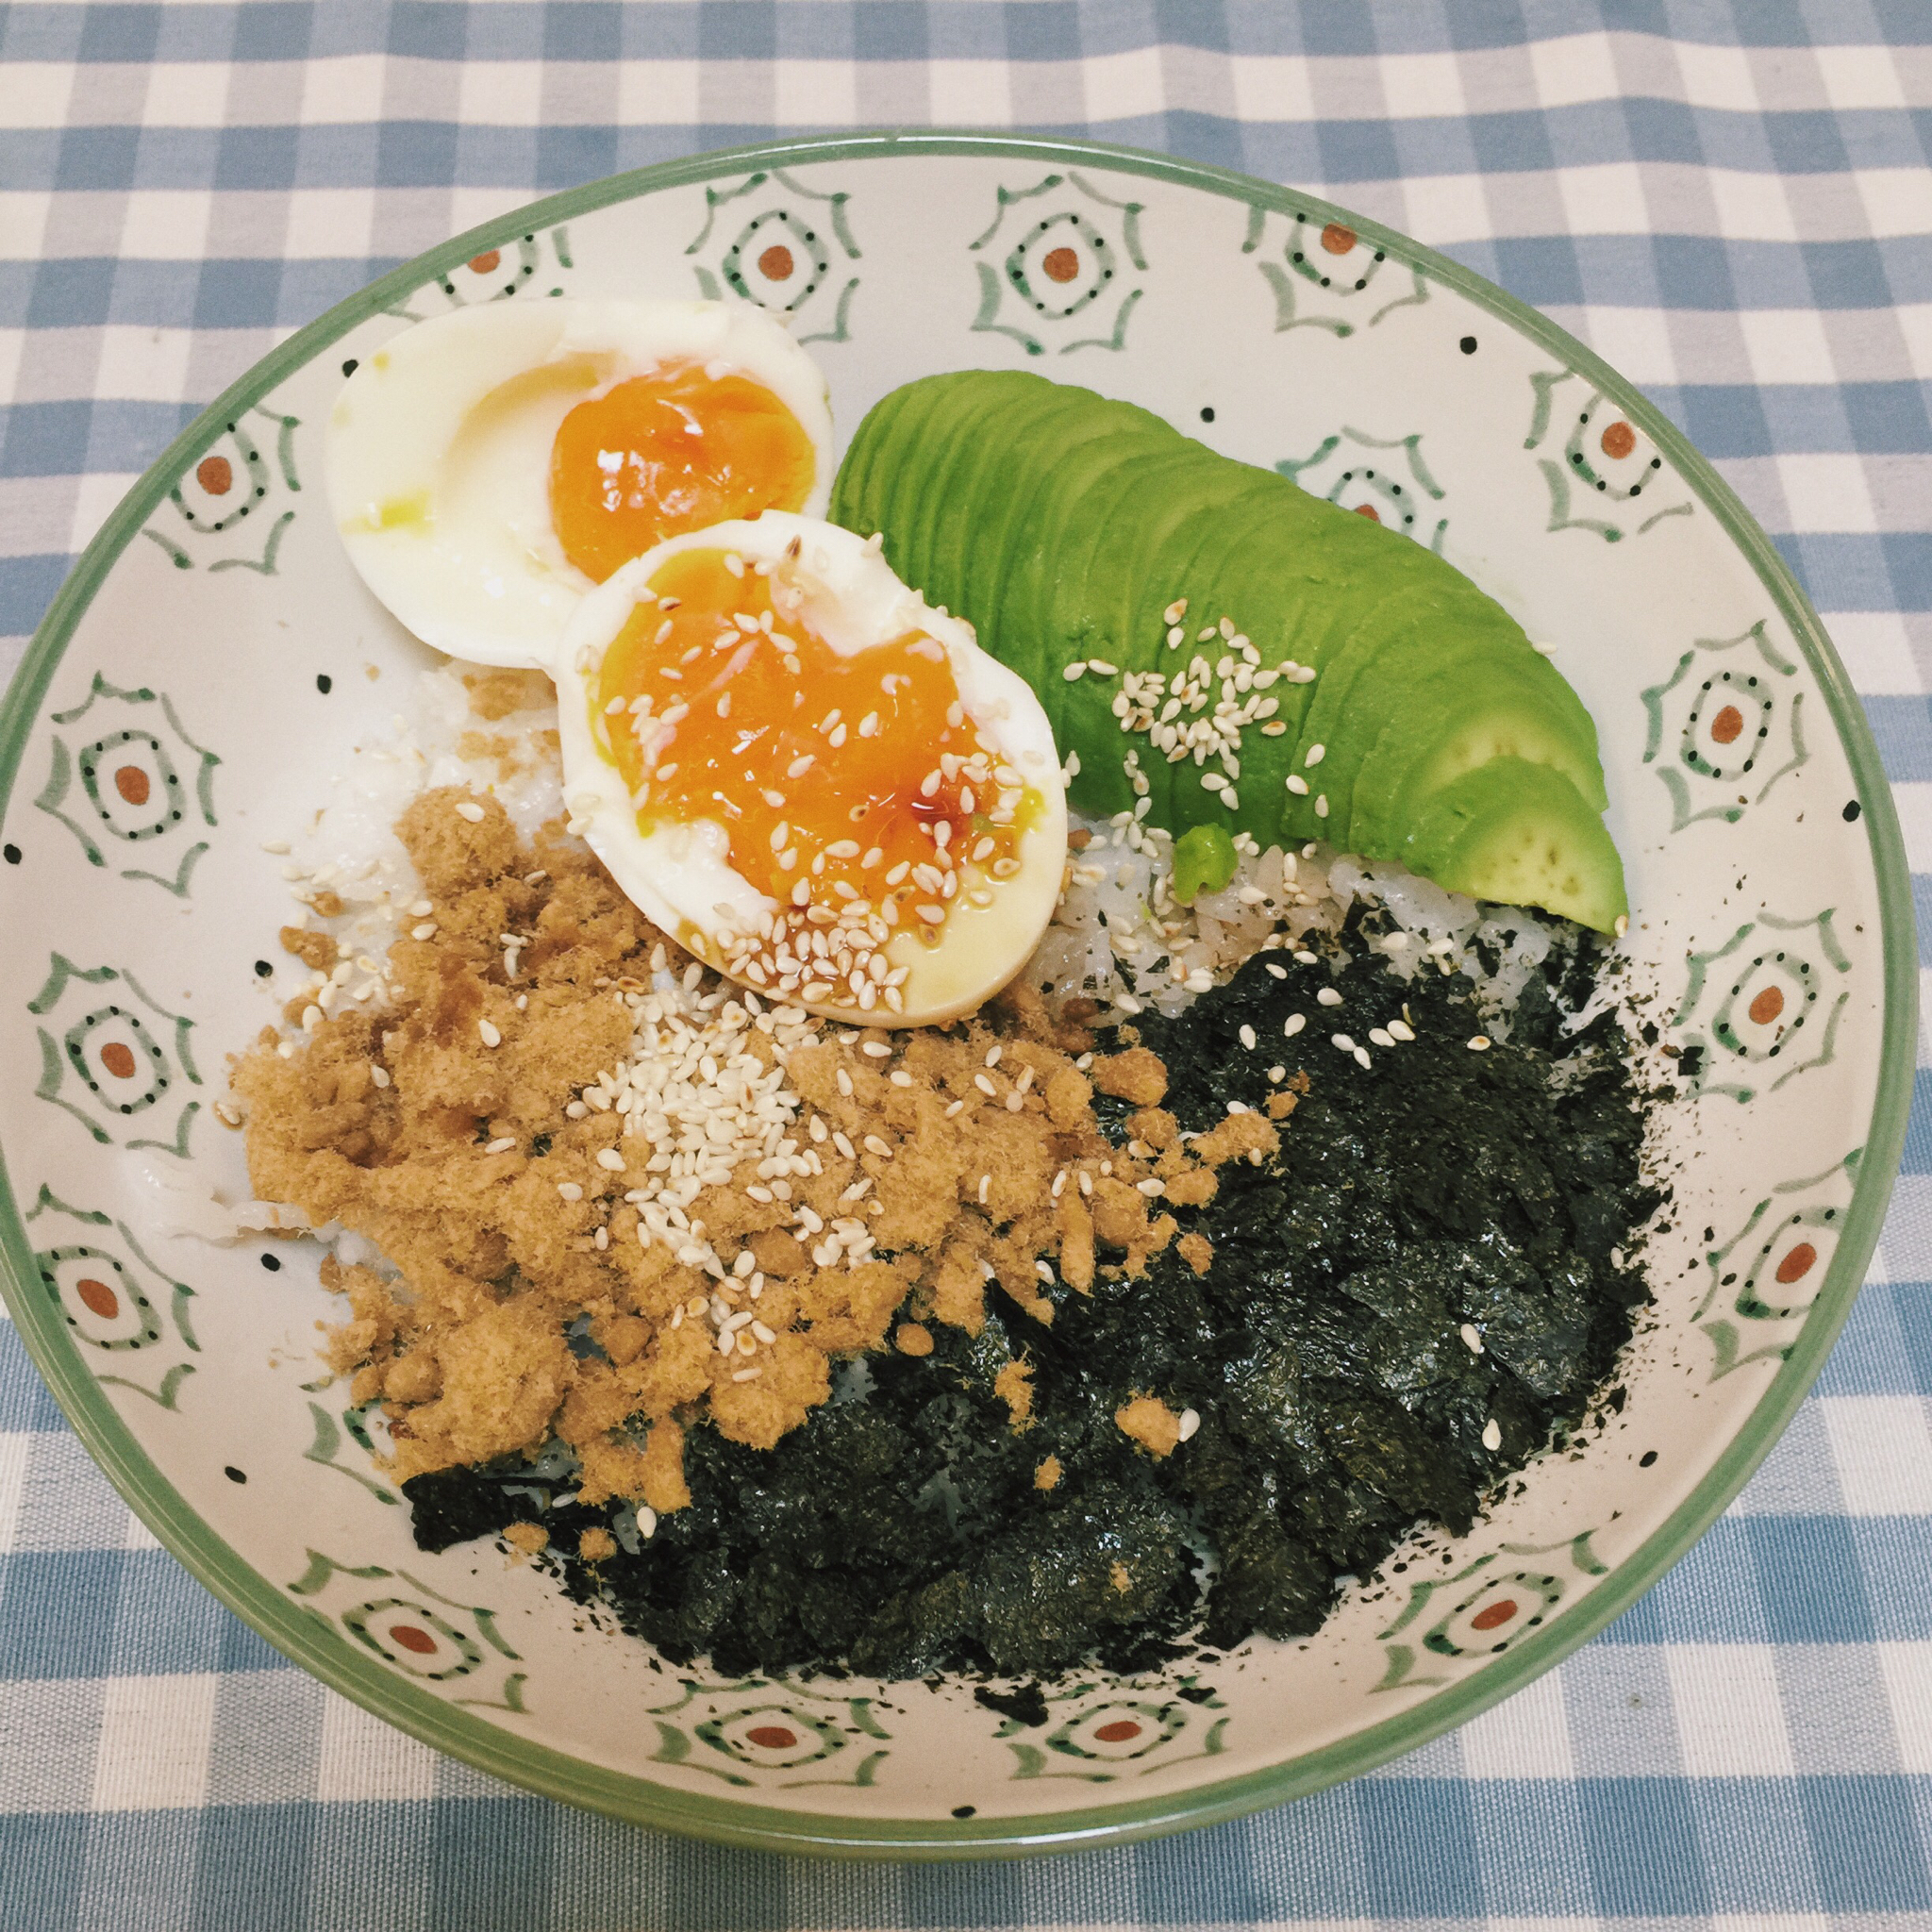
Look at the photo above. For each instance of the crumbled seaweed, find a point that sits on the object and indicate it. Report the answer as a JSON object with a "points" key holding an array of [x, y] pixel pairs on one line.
{"points": [[1439, 1196]]}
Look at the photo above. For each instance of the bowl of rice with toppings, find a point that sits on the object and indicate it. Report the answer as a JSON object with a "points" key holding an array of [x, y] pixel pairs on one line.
{"points": [[1207, 1072]]}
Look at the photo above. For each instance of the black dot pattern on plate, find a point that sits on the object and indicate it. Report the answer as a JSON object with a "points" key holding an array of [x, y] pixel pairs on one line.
{"points": [[1207, 414], [324, 684], [263, 969], [1467, 346], [1648, 1456], [964, 1810], [350, 367], [11, 853], [271, 1263], [234, 1474], [1852, 810]]}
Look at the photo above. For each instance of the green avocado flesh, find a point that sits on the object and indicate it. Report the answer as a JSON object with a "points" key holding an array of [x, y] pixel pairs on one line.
{"points": [[1064, 526]]}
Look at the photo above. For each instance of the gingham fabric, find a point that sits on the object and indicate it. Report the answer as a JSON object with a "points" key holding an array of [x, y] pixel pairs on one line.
{"points": [[1734, 206]]}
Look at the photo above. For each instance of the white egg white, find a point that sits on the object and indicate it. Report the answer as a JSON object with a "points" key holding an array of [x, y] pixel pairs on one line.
{"points": [[439, 452], [681, 875]]}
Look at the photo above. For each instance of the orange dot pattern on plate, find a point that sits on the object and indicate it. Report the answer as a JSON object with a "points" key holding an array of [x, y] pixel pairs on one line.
{"points": [[486, 263], [118, 1057], [1619, 440], [1495, 1616], [1767, 1005], [1122, 1730], [673, 451], [818, 767], [1369, 511], [410, 1637], [97, 1298], [775, 263], [1797, 1263], [772, 1738], [131, 782], [1060, 264], [216, 474], [1726, 727], [1337, 239]]}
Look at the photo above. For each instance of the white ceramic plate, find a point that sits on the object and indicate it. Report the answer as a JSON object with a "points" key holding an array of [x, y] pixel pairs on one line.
{"points": [[170, 718]]}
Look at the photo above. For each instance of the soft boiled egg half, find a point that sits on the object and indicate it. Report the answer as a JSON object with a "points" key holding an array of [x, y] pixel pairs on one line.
{"points": [[811, 779], [490, 467]]}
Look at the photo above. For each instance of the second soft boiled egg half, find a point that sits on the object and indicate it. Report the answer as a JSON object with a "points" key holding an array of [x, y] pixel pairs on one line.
{"points": [[812, 780], [489, 467]]}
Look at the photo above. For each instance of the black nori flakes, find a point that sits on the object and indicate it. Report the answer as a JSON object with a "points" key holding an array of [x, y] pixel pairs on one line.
{"points": [[899, 1531]]}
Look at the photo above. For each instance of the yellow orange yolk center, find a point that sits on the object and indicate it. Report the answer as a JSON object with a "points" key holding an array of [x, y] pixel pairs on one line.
{"points": [[673, 451], [852, 783]]}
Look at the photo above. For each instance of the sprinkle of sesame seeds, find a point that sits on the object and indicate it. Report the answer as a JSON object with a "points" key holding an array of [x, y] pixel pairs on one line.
{"points": [[1479, 1042]]}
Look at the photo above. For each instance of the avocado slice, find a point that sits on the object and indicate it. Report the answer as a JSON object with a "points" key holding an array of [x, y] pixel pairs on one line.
{"points": [[1468, 710], [1522, 834], [873, 461], [1051, 539]]}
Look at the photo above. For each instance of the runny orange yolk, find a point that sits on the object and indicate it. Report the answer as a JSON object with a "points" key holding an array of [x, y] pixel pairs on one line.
{"points": [[673, 451], [856, 784]]}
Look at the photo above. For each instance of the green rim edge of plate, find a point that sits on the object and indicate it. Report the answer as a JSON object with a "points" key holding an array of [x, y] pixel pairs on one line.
{"points": [[555, 1774]]}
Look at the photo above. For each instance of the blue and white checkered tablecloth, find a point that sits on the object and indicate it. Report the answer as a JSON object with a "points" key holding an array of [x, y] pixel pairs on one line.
{"points": [[1733, 203]]}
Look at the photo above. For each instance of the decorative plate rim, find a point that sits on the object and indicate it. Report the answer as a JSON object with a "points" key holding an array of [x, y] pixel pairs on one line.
{"points": [[556, 1774]]}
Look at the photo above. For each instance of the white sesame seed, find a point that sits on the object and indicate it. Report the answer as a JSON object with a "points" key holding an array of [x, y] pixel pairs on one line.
{"points": [[1074, 671], [1190, 1421], [570, 1190], [1492, 1435], [1399, 1030], [1297, 784], [1472, 1337], [501, 1146], [611, 1161], [488, 1034], [1248, 1037], [1152, 1188], [1276, 972], [1380, 1036], [1293, 1024], [1327, 996], [472, 812], [1362, 1056], [1315, 755], [876, 1049], [426, 931], [1321, 807], [1479, 1042], [379, 1075]]}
